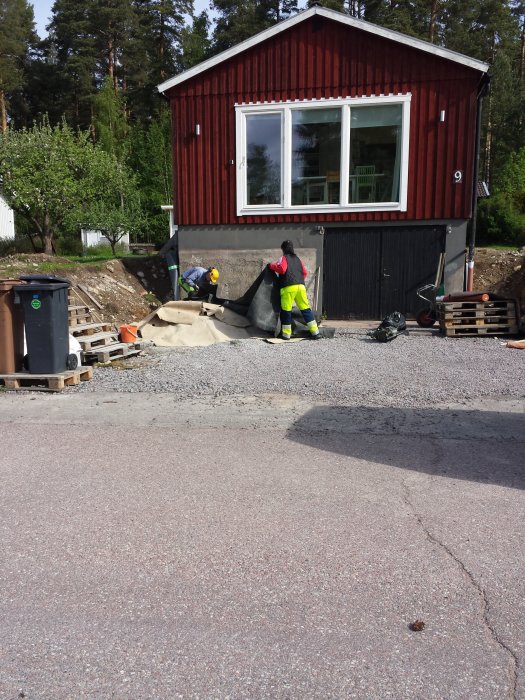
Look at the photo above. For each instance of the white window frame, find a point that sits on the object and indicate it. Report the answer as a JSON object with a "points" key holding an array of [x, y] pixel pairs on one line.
{"points": [[285, 109]]}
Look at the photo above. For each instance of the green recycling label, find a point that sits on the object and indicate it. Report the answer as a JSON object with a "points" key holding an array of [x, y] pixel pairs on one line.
{"points": [[36, 304]]}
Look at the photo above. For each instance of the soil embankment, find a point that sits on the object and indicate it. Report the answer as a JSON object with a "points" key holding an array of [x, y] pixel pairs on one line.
{"points": [[128, 289]]}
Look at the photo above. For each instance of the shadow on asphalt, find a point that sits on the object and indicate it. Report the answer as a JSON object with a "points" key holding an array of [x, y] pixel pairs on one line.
{"points": [[490, 445]]}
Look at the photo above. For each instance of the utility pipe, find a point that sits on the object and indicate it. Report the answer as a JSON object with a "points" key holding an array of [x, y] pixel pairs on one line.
{"points": [[484, 88]]}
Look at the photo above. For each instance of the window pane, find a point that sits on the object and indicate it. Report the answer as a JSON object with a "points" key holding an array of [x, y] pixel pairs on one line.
{"points": [[375, 153], [316, 156], [263, 137]]}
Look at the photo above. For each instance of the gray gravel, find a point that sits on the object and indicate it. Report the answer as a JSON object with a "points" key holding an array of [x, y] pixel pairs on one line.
{"points": [[413, 370]]}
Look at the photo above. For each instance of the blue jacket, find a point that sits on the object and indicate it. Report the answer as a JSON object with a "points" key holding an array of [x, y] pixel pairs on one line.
{"points": [[196, 276]]}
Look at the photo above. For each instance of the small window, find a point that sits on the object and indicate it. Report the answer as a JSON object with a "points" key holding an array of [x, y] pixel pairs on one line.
{"points": [[326, 155], [263, 158]]}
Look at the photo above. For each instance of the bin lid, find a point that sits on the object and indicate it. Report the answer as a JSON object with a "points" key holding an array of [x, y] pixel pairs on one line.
{"points": [[23, 288], [43, 279]]}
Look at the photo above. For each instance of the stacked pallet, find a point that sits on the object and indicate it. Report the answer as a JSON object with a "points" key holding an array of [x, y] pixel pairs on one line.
{"points": [[463, 318], [99, 342]]}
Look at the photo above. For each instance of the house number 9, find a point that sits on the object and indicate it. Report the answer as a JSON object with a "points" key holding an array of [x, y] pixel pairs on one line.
{"points": [[458, 176]]}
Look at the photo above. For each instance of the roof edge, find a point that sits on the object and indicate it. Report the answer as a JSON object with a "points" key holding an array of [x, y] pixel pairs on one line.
{"points": [[375, 29]]}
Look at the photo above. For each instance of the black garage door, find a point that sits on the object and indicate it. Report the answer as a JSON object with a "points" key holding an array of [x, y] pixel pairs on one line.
{"points": [[369, 272]]}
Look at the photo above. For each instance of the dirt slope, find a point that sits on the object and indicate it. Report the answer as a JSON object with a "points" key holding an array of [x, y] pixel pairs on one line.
{"points": [[125, 295], [128, 289], [501, 271]]}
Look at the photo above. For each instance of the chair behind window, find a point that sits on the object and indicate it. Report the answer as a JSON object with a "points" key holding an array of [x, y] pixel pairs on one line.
{"points": [[365, 183]]}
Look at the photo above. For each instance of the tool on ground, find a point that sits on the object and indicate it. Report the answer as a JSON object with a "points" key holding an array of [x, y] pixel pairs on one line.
{"points": [[429, 292]]}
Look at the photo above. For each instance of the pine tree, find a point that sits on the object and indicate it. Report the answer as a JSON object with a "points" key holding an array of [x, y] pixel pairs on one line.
{"points": [[110, 123], [17, 34], [195, 42], [241, 19]]}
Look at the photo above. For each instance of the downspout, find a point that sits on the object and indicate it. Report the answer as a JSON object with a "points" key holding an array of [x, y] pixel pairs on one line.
{"points": [[171, 250], [483, 91]]}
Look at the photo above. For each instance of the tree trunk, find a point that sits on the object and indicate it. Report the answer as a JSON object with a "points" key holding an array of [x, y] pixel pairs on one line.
{"points": [[48, 243], [47, 232], [433, 20], [161, 48], [111, 61], [522, 55], [3, 112]]}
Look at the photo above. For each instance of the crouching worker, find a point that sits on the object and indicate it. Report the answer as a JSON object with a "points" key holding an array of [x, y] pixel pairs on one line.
{"points": [[199, 281], [292, 274]]}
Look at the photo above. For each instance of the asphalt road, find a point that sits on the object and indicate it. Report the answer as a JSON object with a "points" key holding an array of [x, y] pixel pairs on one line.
{"points": [[260, 547]]}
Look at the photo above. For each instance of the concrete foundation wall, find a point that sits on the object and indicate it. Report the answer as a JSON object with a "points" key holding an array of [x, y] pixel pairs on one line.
{"points": [[239, 268], [241, 252]]}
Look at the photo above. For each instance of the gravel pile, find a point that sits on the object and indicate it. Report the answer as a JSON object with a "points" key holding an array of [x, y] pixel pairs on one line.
{"points": [[412, 370]]}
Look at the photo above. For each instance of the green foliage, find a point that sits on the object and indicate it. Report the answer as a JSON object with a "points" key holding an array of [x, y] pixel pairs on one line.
{"points": [[99, 253], [501, 218], [150, 159], [68, 245], [17, 36], [195, 42], [59, 180], [41, 170], [111, 127], [240, 19], [499, 221], [9, 246]]}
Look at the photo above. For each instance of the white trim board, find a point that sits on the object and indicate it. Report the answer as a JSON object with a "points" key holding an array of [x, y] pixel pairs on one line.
{"points": [[337, 17]]}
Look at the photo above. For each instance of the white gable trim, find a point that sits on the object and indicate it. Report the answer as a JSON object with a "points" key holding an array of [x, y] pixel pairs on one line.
{"points": [[337, 17]]}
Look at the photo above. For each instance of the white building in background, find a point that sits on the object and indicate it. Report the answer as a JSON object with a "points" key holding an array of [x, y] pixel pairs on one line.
{"points": [[7, 220], [92, 237]]}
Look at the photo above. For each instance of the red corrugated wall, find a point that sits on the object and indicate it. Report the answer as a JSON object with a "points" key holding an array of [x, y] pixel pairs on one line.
{"points": [[320, 58]]}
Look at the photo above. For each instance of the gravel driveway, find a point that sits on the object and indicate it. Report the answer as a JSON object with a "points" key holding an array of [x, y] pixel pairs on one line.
{"points": [[415, 369]]}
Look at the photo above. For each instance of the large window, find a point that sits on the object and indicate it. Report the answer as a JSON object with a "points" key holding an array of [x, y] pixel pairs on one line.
{"points": [[349, 154]]}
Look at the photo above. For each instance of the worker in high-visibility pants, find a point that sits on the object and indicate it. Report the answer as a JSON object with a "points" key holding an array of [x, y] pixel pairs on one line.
{"points": [[292, 274]]}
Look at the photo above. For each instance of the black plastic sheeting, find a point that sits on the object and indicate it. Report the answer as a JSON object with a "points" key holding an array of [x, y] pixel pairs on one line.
{"points": [[261, 305]]}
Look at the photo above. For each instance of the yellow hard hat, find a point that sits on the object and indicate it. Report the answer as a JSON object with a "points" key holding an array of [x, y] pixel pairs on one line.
{"points": [[214, 275]]}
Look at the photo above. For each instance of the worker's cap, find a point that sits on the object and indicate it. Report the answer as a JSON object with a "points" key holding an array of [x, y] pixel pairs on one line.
{"points": [[214, 275]]}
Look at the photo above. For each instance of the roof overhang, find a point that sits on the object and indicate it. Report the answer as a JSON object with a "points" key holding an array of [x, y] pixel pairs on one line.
{"points": [[360, 24]]}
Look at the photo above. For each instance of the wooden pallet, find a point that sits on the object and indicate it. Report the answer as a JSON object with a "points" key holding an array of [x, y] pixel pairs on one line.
{"points": [[96, 341], [478, 318], [79, 317], [86, 329], [111, 352], [46, 382], [492, 329]]}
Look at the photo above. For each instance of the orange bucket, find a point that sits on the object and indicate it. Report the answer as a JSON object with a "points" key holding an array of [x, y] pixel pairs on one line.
{"points": [[128, 334]]}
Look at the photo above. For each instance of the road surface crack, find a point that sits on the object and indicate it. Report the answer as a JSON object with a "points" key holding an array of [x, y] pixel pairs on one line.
{"points": [[485, 606]]}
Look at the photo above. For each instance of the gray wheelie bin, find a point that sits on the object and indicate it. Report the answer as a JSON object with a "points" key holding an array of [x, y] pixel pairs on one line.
{"points": [[44, 300]]}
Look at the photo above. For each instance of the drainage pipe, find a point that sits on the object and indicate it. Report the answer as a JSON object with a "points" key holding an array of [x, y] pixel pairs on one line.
{"points": [[484, 89]]}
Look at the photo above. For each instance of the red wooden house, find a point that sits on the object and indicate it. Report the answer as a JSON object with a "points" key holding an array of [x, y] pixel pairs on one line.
{"points": [[355, 141]]}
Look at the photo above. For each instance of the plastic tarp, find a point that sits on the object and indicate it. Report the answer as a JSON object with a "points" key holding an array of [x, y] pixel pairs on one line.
{"points": [[193, 324], [196, 323], [265, 305]]}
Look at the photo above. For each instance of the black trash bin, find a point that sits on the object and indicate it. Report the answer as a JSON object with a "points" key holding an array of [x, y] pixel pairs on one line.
{"points": [[44, 300]]}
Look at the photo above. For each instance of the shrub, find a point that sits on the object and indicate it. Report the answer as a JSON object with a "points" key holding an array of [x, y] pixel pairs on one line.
{"points": [[500, 221]]}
